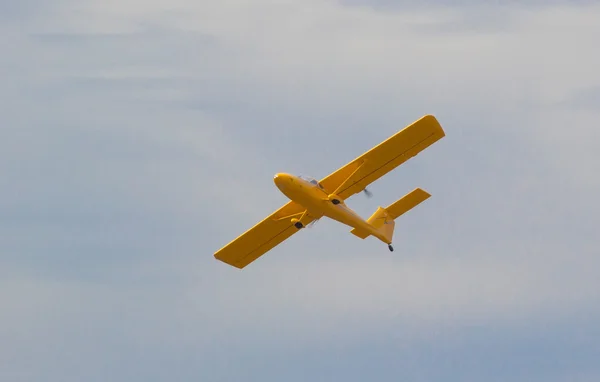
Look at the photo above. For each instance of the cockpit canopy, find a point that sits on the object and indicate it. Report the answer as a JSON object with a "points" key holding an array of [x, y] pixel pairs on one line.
{"points": [[310, 179]]}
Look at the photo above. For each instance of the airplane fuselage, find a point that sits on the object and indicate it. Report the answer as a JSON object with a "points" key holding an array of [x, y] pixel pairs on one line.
{"points": [[318, 203]]}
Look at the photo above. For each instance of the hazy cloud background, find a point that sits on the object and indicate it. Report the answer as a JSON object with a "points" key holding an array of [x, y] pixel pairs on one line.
{"points": [[138, 137]]}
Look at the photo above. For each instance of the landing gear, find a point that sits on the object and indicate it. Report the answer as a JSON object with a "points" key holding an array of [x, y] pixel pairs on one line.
{"points": [[390, 248], [298, 225], [335, 201]]}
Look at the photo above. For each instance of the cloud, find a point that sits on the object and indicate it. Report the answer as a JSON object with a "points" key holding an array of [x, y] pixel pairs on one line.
{"points": [[464, 4], [586, 99], [139, 137]]}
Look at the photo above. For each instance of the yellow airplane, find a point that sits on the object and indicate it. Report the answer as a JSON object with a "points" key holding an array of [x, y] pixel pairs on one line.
{"points": [[310, 199]]}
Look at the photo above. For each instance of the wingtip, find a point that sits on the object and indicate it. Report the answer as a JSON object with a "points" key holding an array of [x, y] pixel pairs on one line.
{"points": [[423, 192], [235, 265], [433, 119]]}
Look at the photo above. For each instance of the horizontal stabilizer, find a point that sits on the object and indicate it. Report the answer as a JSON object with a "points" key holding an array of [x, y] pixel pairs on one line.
{"points": [[382, 220], [407, 202], [360, 233]]}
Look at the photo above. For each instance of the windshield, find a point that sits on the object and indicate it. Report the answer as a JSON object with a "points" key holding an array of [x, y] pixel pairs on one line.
{"points": [[311, 180]]}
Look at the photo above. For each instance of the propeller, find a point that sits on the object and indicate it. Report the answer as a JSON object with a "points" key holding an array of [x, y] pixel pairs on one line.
{"points": [[309, 225]]}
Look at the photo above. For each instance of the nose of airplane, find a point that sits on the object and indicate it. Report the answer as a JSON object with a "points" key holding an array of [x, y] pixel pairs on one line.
{"points": [[281, 178]]}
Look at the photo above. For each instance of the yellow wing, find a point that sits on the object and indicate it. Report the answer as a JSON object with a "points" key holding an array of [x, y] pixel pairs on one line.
{"points": [[265, 235], [383, 158]]}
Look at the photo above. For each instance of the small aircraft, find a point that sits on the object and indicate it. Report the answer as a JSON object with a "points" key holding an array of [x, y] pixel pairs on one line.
{"points": [[311, 199]]}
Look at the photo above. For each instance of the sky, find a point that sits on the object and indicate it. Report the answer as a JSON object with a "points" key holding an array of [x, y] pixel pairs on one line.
{"points": [[139, 137]]}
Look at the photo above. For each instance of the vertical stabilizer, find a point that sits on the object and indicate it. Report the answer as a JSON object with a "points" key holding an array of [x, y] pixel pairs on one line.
{"points": [[383, 218], [382, 222]]}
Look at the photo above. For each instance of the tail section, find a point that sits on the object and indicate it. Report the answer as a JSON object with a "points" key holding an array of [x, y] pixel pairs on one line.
{"points": [[407, 202], [383, 219]]}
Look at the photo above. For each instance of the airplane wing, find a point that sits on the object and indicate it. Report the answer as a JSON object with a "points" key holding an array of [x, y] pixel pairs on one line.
{"points": [[383, 158], [265, 235]]}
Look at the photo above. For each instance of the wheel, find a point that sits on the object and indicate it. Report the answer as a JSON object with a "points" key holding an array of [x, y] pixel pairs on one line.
{"points": [[391, 248], [298, 225], [335, 201]]}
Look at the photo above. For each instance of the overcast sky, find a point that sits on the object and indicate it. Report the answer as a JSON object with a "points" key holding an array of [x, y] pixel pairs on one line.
{"points": [[139, 137]]}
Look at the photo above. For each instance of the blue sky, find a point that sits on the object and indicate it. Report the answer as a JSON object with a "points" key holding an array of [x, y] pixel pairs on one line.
{"points": [[138, 137]]}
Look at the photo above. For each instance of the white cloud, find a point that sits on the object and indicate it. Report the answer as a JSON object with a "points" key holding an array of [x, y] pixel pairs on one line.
{"points": [[170, 117], [321, 58]]}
